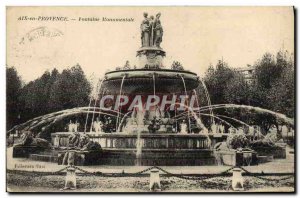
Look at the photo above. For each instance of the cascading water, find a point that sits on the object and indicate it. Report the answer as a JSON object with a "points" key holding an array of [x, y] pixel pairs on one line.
{"points": [[121, 87], [87, 115], [251, 108], [96, 98], [51, 118], [154, 94], [238, 121], [139, 146], [122, 120], [280, 116], [153, 77], [197, 101], [176, 127], [208, 99], [186, 96], [60, 117], [199, 123], [209, 115]]}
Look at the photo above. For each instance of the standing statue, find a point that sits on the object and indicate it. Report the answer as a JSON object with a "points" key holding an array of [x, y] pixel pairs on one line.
{"points": [[76, 126], [97, 125], [214, 128], [183, 127], [152, 31], [70, 126], [145, 31], [158, 31]]}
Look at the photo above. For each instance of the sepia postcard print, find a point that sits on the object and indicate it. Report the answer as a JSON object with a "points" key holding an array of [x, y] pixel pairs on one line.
{"points": [[150, 99]]}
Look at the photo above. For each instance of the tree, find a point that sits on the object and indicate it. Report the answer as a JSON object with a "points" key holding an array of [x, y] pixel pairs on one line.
{"points": [[35, 95], [273, 89], [217, 81], [71, 89], [282, 90], [13, 87], [266, 71], [237, 90], [275, 83], [49, 93]]}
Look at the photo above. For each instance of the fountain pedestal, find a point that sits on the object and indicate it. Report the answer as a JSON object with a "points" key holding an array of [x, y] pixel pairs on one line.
{"points": [[151, 57]]}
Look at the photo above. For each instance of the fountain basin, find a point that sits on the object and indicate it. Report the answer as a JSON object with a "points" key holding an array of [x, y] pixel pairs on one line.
{"points": [[82, 158], [21, 151], [140, 81], [158, 157], [157, 149]]}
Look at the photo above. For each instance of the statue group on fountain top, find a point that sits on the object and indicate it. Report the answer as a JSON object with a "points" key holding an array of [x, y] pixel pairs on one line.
{"points": [[151, 31]]}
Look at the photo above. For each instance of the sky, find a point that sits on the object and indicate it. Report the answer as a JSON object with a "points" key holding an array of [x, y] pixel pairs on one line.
{"points": [[194, 36]]}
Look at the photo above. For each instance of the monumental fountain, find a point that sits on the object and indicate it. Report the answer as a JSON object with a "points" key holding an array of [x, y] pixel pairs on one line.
{"points": [[145, 115]]}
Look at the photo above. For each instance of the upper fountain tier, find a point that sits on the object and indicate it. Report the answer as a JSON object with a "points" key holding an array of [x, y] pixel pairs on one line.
{"points": [[150, 71]]}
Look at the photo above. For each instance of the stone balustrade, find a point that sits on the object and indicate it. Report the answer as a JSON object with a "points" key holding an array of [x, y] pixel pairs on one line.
{"points": [[148, 141]]}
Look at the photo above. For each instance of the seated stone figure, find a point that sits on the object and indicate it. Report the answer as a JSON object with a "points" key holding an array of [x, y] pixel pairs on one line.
{"points": [[80, 143], [27, 139], [85, 144], [74, 140]]}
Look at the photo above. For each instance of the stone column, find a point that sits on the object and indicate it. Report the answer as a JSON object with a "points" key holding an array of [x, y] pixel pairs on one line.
{"points": [[70, 182], [237, 180], [155, 181]]}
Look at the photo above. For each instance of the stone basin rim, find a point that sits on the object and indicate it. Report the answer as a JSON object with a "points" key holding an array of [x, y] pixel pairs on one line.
{"points": [[121, 134], [151, 70]]}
